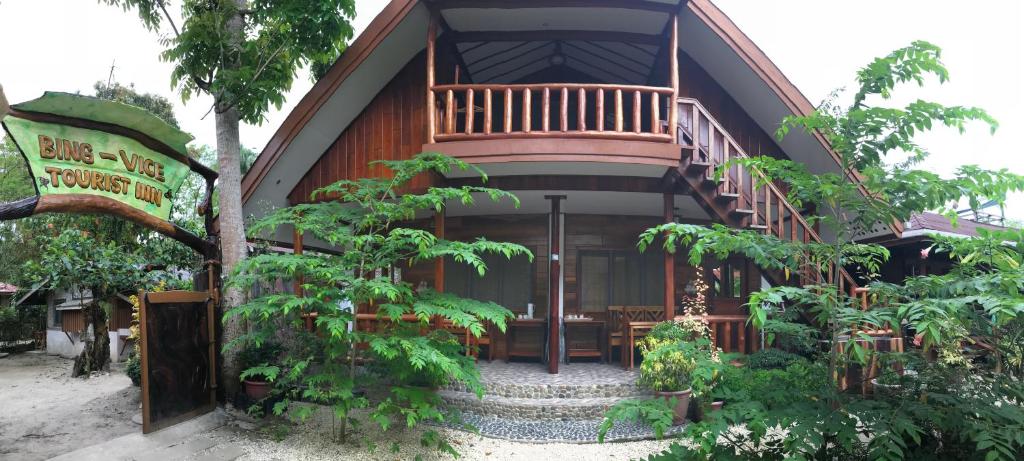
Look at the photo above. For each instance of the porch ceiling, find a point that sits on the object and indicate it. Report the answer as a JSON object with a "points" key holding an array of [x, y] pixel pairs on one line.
{"points": [[583, 202], [614, 42]]}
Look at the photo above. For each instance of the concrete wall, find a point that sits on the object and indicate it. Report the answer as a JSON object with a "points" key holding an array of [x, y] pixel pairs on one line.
{"points": [[58, 343]]}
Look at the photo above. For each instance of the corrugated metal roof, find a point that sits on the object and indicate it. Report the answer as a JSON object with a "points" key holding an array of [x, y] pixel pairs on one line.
{"points": [[939, 223]]}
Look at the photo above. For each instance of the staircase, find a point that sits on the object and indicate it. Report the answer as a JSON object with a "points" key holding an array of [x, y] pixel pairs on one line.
{"points": [[523, 402], [741, 197]]}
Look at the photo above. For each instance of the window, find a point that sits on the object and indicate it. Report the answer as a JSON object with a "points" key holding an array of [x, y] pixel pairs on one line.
{"points": [[507, 282], [620, 278], [729, 279]]}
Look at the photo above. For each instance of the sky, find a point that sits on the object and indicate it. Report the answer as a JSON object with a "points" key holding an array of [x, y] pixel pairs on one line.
{"points": [[68, 45]]}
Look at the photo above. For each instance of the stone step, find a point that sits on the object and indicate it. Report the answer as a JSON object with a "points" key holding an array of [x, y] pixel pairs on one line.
{"points": [[532, 408], [554, 391]]}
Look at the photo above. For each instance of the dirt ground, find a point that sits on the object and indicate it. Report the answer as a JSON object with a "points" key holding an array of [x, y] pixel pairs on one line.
{"points": [[45, 412]]}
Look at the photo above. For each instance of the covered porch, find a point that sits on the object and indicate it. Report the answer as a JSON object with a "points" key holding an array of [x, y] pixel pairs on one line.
{"points": [[605, 292]]}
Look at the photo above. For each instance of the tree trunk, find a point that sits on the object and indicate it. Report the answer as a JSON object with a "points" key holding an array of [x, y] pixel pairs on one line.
{"points": [[96, 354], [232, 231]]}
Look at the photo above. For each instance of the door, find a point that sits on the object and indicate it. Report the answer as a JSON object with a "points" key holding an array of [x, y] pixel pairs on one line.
{"points": [[178, 347]]}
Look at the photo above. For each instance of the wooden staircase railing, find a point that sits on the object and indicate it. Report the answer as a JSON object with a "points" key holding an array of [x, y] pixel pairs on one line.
{"points": [[742, 196]]}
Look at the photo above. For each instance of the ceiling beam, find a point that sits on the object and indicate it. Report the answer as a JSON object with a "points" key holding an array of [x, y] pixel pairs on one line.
{"points": [[520, 4], [563, 35]]}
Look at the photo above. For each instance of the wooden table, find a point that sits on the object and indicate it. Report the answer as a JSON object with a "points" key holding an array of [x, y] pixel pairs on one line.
{"points": [[515, 327], [632, 331], [581, 326]]}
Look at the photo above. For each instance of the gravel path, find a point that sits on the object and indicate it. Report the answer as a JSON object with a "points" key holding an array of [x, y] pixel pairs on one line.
{"points": [[312, 441]]}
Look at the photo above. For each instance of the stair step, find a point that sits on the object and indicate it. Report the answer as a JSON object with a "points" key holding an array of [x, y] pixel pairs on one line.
{"points": [[727, 196], [712, 182], [530, 408], [697, 166], [757, 227], [574, 431], [742, 212]]}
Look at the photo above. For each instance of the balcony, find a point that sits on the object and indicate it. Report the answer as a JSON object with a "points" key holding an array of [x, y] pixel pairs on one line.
{"points": [[561, 110], [521, 122]]}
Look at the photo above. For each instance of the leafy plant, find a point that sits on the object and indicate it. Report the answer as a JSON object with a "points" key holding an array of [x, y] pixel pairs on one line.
{"points": [[371, 221], [801, 412], [259, 360], [766, 359], [656, 413], [133, 368]]}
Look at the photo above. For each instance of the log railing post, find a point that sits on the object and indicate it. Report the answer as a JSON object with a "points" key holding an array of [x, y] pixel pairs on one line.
{"points": [[470, 111], [488, 116], [655, 114], [508, 111], [546, 116], [527, 95], [637, 124], [599, 121], [449, 112], [581, 109], [563, 111], [618, 111]]}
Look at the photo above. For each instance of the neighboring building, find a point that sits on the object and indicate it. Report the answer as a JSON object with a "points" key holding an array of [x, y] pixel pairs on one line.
{"points": [[7, 292], [910, 255], [66, 326], [604, 117]]}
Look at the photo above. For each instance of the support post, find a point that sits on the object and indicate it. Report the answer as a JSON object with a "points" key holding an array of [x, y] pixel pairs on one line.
{"points": [[431, 55], [673, 59], [555, 287], [670, 260], [439, 262]]}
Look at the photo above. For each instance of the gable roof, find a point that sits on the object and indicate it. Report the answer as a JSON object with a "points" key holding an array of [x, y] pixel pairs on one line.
{"points": [[731, 57], [929, 223]]}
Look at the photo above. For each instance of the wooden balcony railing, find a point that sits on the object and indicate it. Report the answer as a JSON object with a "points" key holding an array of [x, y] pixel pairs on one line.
{"points": [[564, 110], [763, 202]]}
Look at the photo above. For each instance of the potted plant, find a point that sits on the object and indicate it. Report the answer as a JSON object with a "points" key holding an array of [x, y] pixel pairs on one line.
{"points": [[258, 370], [708, 371], [892, 383], [668, 370]]}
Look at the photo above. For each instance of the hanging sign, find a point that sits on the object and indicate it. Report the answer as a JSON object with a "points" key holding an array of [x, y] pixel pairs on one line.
{"points": [[89, 155], [70, 160]]}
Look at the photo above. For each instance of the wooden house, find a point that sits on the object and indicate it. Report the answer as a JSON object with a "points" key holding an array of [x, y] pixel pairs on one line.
{"points": [[605, 117]]}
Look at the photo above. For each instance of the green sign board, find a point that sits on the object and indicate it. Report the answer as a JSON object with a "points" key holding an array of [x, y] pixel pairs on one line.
{"points": [[72, 160]]}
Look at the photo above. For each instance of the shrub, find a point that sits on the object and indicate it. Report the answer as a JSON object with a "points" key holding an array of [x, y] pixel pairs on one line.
{"points": [[767, 359], [255, 358], [133, 368]]}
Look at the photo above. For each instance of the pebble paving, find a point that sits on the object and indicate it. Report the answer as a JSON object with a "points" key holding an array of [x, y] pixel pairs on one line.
{"points": [[576, 431]]}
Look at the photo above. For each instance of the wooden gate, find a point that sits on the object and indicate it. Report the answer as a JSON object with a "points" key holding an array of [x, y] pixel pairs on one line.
{"points": [[178, 344]]}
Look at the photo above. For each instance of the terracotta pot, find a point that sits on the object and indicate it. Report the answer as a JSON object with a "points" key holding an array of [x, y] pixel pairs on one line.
{"points": [[257, 390], [682, 404], [702, 414]]}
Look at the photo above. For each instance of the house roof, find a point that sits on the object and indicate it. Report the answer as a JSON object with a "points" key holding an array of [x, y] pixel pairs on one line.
{"points": [[398, 33], [6, 288], [932, 223]]}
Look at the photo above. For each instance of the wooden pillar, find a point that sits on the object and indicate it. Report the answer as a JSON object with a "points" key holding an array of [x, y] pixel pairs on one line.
{"points": [[555, 287], [297, 248], [439, 262], [670, 260], [673, 59], [431, 57]]}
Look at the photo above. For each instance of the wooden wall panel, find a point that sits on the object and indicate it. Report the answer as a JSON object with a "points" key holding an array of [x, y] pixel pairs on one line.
{"points": [[695, 82], [391, 127]]}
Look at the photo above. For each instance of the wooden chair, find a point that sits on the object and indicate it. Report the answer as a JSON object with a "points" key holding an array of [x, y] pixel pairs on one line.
{"points": [[620, 316]]}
